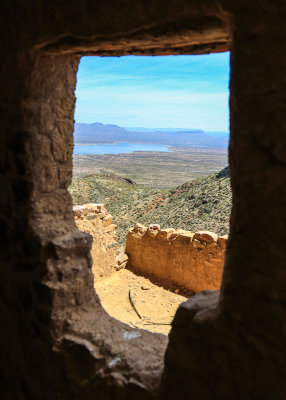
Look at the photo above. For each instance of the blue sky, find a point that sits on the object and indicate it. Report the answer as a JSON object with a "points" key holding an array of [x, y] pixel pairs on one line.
{"points": [[155, 92]]}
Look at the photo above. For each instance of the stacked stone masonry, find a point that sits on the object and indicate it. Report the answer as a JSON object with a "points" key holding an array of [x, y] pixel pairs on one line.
{"points": [[95, 220], [192, 260]]}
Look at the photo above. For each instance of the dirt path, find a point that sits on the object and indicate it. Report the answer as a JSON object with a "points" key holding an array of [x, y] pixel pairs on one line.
{"points": [[155, 304]]}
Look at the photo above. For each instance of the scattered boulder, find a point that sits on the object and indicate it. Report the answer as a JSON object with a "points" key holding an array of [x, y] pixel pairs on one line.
{"points": [[129, 181], [145, 287], [206, 237], [166, 233], [154, 227], [110, 228], [121, 261], [139, 228], [107, 220], [89, 209]]}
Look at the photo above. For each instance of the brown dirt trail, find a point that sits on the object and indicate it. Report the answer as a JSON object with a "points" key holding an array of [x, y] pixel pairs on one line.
{"points": [[156, 305]]}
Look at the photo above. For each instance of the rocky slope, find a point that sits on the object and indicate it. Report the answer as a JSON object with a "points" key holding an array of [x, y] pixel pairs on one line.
{"points": [[203, 204]]}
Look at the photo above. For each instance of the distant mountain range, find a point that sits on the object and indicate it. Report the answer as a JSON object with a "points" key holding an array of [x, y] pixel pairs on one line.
{"points": [[100, 133]]}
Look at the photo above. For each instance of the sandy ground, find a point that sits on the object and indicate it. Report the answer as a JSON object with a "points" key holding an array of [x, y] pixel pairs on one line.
{"points": [[155, 305]]}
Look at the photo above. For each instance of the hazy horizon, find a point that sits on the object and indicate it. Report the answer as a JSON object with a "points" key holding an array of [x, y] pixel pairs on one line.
{"points": [[153, 129]]}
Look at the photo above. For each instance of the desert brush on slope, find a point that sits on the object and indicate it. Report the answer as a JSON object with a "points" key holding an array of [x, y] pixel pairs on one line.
{"points": [[202, 204]]}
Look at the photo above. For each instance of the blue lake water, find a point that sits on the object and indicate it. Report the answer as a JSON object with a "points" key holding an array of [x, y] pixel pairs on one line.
{"points": [[116, 148]]}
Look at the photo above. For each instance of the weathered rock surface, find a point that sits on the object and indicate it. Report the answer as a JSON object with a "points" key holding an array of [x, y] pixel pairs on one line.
{"points": [[234, 347], [192, 260], [95, 220], [121, 261]]}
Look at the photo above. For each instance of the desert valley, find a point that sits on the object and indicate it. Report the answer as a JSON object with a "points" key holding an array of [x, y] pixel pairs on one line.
{"points": [[179, 191]]}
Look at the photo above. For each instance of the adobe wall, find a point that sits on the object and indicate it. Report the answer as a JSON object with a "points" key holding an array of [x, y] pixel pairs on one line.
{"points": [[95, 220], [192, 260]]}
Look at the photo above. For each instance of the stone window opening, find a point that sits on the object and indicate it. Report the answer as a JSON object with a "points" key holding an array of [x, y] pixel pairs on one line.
{"points": [[58, 342], [164, 267], [112, 348]]}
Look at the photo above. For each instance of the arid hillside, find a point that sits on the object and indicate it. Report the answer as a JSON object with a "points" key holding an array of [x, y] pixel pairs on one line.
{"points": [[203, 204]]}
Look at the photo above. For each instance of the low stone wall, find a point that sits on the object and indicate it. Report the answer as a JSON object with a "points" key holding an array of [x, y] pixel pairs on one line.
{"points": [[192, 260], [95, 220]]}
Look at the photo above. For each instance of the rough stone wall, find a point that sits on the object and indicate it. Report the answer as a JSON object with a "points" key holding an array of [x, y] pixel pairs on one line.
{"points": [[117, 27], [37, 228], [192, 260], [50, 315], [233, 341], [95, 220]]}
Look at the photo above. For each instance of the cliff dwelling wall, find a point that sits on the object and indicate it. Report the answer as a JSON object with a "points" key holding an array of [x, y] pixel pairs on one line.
{"points": [[56, 340], [192, 260], [94, 220]]}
